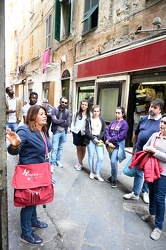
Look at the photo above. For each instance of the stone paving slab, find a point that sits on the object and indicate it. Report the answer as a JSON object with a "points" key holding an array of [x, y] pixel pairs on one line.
{"points": [[86, 214]]}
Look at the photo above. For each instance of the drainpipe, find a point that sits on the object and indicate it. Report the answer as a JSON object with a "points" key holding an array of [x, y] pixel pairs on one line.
{"points": [[3, 155]]}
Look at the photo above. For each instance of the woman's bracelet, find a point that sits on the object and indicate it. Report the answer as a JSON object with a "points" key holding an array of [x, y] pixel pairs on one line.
{"points": [[15, 147]]}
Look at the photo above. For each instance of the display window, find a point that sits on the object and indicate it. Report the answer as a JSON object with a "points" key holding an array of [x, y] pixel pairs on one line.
{"points": [[144, 89]]}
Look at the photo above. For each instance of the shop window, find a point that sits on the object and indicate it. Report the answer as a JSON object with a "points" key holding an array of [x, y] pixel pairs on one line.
{"points": [[86, 93], [109, 97], [62, 19], [48, 31], [90, 20]]}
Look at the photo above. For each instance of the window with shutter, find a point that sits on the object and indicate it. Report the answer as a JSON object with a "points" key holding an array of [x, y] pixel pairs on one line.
{"points": [[90, 20], [48, 31], [62, 19]]}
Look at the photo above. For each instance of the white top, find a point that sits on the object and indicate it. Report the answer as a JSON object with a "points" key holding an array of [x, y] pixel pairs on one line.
{"points": [[25, 109], [78, 125], [96, 126], [12, 105]]}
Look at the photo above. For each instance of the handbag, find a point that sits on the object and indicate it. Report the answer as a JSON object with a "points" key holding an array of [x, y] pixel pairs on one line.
{"points": [[110, 149], [101, 143], [129, 171], [32, 184]]}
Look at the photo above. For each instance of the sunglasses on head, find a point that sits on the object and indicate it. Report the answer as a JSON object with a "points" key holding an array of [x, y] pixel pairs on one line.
{"points": [[63, 102]]}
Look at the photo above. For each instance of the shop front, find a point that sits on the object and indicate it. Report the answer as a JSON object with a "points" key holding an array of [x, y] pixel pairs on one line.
{"points": [[120, 77]]}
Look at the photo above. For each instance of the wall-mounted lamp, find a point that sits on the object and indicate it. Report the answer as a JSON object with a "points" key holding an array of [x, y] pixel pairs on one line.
{"points": [[156, 21]]}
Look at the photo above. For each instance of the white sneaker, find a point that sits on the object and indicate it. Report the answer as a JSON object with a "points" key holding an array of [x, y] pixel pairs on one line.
{"points": [[131, 196], [155, 235], [79, 167], [91, 176], [76, 165], [145, 197], [52, 169], [98, 177], [148, 217], [59, 164]]}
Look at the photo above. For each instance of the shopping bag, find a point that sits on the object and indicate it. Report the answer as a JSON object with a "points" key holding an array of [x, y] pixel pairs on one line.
{"points": [[129, 171]]}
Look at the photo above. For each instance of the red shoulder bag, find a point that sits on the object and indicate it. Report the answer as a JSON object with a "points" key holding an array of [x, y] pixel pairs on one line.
{"points": [[32, 184]]}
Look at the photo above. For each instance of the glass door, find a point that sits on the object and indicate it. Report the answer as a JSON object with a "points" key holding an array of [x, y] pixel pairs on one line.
{"points": [[109, 97]]}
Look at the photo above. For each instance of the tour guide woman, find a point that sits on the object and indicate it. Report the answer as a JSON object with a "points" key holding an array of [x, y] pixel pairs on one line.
{"points": [[32, 145]]}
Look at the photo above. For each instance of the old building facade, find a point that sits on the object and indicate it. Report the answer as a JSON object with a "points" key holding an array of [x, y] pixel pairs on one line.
{"points": [[100, 50]]}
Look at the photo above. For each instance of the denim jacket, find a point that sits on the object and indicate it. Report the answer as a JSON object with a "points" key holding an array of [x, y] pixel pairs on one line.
{"points": [[121, 151]]}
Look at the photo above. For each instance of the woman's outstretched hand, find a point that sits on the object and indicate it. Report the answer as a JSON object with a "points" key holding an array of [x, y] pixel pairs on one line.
{"points": [[13, 138]]}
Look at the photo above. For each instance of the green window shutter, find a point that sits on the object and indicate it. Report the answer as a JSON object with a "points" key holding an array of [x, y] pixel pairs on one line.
{"points": [[57, 20], [69, 17], [89, 13]]}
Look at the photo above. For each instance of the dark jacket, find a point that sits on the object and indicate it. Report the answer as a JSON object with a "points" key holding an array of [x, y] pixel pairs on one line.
{"points": [[32, 148], [64, 122], [88, 130]]}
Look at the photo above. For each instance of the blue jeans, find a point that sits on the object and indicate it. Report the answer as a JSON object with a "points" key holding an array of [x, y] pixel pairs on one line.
{"points": [[13, 126], [28, 217], [157, 194], [92, 147], [114, 163], [58, 140], [138, 181]]}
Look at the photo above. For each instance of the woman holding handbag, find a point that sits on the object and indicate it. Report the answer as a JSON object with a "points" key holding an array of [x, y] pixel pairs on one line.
{"points": [[78, 131], [115, 139], [32, 145]]}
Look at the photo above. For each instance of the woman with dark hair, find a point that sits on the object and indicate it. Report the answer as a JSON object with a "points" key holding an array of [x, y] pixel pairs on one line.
{"points": [[95, 130], [78, 130], [156, 146], [115, 138], [32, 145]]}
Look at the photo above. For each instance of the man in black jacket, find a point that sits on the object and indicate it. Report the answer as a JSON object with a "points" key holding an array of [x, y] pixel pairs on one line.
{"points": [[60, 118]]}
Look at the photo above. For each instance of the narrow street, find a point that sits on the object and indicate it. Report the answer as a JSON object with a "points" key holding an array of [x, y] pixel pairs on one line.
{"points": [[86, 214]]}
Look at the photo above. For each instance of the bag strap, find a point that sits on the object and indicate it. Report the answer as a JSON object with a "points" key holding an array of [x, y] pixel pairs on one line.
{"points": [[45, 141]]}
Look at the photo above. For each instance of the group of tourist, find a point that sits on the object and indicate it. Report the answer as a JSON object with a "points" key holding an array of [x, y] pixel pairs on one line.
{"points": [[89, 131], [150, 135]]}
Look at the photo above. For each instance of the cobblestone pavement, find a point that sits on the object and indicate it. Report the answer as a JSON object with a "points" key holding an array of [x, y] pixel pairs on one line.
{"points": [[86, 214]]}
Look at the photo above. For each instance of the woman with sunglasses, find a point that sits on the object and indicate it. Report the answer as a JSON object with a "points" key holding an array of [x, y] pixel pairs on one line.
{"points": [[78, 131], [156, 145], [115, 138]]}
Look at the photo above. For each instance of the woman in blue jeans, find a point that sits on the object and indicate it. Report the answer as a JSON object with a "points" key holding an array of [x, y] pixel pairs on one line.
{"points": [[156, 145], [32, 145], [94, 131], [115, 138]]}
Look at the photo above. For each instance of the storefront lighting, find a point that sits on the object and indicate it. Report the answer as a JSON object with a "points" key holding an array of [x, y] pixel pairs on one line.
{"points": [[148, 83]]}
